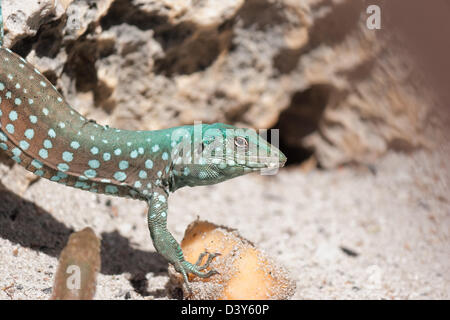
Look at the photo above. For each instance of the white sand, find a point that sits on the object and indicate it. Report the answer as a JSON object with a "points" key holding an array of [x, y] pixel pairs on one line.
{"points": [[396, 221]]}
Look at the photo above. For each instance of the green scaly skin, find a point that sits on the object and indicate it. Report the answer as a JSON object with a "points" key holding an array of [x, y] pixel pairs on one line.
{"points": [[41, 132]]}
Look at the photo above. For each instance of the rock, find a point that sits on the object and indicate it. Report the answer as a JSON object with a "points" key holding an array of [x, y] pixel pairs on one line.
{"points": [[310, 68], [244, 271], [79, 263], [23, 19]]}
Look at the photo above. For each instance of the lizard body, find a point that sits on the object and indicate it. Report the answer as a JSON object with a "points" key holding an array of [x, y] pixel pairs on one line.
{"points": [[41, 132]]}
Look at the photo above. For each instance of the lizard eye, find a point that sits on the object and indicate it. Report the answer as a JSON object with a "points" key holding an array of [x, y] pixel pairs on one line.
{"points": [[241, 142]]}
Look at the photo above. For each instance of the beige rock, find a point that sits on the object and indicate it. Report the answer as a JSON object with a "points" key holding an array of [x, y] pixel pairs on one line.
{"points": [[245, 272], [309, 68]]}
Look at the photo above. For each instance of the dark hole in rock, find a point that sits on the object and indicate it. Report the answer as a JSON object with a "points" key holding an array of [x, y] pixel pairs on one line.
{"points": [[51, 76], [261, 14], [301, 119], [23, 47], [49, 39], [286, 60], [46, 42], [81, 65], [189, 57], [125, 11], [187, 51], [332, 28]]}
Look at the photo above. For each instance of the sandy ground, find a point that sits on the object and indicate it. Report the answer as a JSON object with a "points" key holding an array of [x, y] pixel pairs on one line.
{"points": [[351, 233]]}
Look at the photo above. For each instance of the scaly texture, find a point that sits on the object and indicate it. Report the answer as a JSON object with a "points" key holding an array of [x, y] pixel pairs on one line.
{"points": [[42, 133]]}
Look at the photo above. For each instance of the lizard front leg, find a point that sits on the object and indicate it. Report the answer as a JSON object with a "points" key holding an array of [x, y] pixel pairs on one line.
{"points": [[166, 244]]}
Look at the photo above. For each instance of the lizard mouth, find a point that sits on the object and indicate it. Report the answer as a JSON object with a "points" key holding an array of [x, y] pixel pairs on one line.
{"points": [[254, 163], [272, 162]]}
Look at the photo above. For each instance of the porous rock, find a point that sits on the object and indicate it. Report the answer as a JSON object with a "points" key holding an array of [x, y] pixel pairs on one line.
{"points": [[308, 67]]}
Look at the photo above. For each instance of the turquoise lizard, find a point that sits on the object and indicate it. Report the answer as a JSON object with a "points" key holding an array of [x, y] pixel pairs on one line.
{"points": [[41, 132]]}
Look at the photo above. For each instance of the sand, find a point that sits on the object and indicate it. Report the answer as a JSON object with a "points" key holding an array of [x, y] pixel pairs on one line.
{"points": [[352, 233]]}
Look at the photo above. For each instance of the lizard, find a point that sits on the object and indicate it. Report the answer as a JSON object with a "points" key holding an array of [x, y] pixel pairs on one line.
{"points": [[41, 132]]}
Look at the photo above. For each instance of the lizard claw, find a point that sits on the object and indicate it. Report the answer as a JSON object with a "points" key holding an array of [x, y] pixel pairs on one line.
{"points": [[208, 261], [186, 267]]}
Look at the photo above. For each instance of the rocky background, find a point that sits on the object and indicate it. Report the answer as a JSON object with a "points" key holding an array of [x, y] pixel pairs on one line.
{"points": [[340, 94], [308, 67]]}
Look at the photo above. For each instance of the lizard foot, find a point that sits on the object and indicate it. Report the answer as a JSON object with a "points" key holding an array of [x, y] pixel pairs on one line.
{"points": [[186, 267]]}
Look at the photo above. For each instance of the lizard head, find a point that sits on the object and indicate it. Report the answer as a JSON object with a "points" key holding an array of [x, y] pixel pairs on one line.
{"points": [[211, 153]]}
